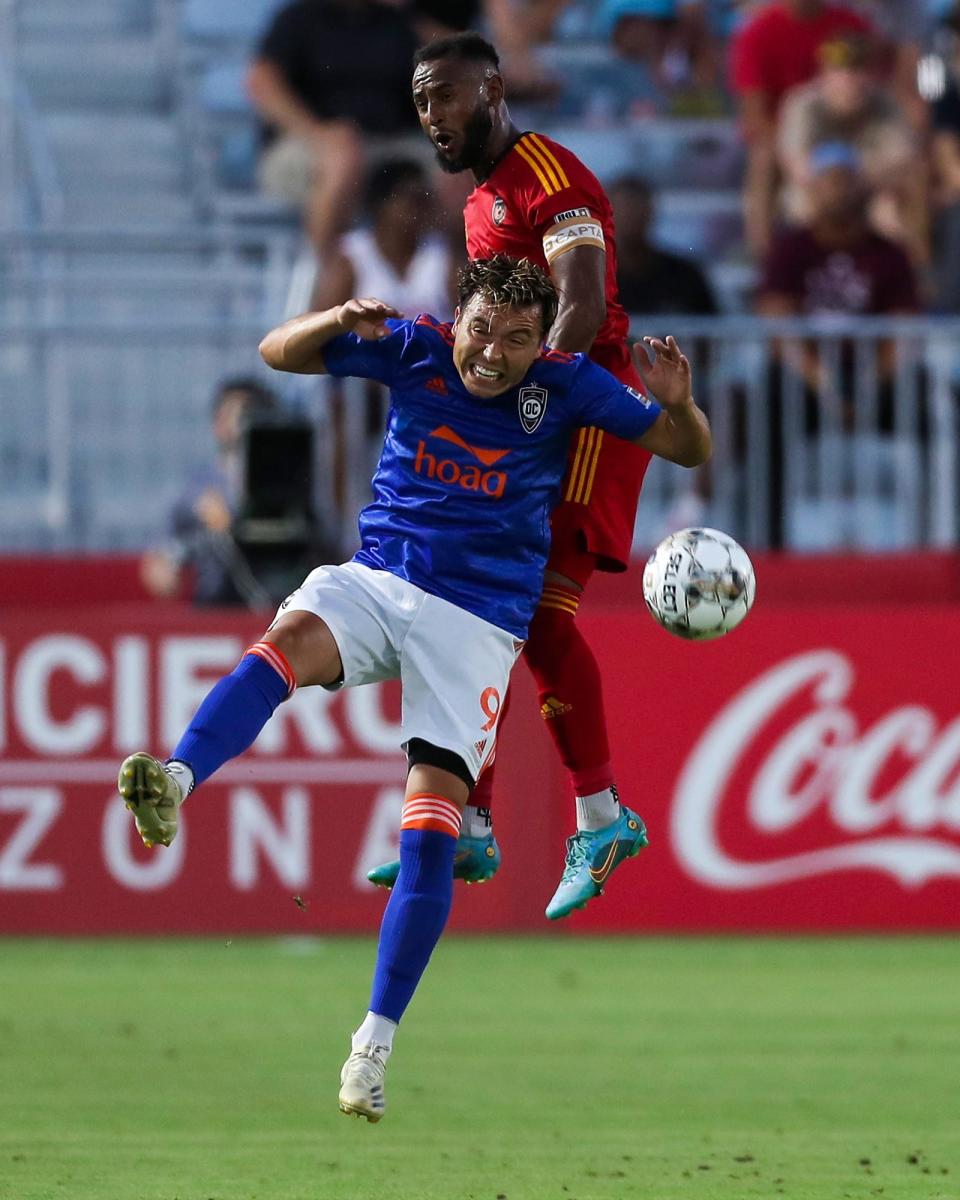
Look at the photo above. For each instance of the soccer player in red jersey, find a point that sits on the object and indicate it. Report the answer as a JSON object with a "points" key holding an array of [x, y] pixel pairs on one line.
{"points": [[534, 199]]}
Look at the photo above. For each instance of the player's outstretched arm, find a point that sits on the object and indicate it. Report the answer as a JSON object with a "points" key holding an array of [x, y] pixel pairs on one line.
{"points": [[296, 345], [681, 433]]}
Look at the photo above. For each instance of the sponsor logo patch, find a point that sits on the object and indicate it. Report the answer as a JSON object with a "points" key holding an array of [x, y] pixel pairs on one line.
{"points": [[499, 211], [644, 400], [468, 476], [571, 214]]}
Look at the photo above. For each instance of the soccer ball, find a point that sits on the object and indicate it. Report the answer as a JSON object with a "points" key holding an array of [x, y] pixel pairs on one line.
{"points": [[699, 584]]}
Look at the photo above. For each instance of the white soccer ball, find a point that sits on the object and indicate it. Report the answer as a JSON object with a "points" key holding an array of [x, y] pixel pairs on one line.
{"points": [[699, 584]]}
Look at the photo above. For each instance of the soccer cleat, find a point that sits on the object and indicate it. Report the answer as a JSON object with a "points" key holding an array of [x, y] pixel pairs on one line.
{"points": [[592, 857], [152, 795], [475, 860], [361, 1083]]}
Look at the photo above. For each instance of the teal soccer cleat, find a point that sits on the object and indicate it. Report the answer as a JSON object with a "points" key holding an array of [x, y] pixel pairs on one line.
{"points": [[475, 860], [592, 857]]}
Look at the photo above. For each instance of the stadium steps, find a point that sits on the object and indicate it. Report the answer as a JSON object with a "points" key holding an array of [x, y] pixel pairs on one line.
{"points": [[138, 149], [101, 80], [125, 169], [226, 22], [106, 73], [86, 19]]}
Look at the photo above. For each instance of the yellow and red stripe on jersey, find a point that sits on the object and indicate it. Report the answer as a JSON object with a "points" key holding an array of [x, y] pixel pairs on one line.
{"points": [[556, 596], [543, 162], [278, 660], [427, 810], [584, 468]]}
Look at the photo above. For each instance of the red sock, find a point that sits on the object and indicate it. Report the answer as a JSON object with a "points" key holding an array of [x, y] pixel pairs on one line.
{"points": [[570, 690]]}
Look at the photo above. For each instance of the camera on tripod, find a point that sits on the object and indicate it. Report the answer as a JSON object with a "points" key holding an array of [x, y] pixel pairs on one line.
{"points": [[276, 527]]}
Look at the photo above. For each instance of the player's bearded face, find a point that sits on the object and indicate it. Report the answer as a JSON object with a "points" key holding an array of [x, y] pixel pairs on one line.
{"points": [[473, 140], [495, 346], [455, 104]]}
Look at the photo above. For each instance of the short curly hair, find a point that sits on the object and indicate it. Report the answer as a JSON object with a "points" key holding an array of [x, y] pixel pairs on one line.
{"points": [[513, 282]]}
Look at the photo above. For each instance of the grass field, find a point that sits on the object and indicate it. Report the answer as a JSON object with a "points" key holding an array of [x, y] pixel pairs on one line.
{"points": [[532, 1070]]}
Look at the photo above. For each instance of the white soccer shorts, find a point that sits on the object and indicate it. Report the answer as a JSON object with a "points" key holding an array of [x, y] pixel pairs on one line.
{"points": [[453, 666]]}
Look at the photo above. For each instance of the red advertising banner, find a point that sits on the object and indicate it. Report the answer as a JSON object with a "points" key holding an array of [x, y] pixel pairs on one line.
{"points": [[803, 773], [278, 840]]}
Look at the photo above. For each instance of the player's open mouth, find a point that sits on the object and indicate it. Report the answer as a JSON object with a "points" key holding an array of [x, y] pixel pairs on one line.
{"points": [[443, 140]]}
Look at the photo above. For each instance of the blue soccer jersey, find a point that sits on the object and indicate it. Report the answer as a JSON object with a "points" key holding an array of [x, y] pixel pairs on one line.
{"points": [[465, 485]]}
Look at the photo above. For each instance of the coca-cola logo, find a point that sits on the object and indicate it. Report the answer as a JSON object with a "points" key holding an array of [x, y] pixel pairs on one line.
{"points": [[822, 764]]}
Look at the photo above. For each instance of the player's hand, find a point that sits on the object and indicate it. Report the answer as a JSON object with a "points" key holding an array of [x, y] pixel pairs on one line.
{"points": [[668, 376], [366, 318]]}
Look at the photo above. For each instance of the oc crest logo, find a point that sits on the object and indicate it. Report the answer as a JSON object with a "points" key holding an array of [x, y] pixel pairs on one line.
{"points": [[532, 404], [499, 211]]}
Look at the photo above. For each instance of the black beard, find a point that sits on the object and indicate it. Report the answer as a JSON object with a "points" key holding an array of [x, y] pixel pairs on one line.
{"points": [[476, 135]]}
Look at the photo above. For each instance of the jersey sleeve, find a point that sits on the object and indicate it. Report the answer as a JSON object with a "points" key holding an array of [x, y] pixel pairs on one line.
{"points": [[382, 360], [604, 401], [564, 202]]}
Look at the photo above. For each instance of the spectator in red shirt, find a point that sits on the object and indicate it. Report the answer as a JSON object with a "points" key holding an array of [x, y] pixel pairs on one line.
{"points": [[774, 51]]}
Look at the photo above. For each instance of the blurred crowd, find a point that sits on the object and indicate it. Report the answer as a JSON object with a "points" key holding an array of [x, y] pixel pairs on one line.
{"points": [[854, 103], [849, 117]]}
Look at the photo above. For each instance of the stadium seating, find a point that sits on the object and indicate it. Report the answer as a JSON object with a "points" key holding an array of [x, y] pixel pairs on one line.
{"points": [[226, 22], [139, 114]]}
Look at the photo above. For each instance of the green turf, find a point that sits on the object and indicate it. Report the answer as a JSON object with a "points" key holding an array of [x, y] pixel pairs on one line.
{"points": [[535, 1070]]}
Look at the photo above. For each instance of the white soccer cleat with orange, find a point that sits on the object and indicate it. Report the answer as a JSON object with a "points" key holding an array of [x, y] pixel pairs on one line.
{"points": [[361, 1083]]}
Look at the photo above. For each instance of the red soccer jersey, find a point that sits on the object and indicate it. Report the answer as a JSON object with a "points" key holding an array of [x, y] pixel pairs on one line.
{"points": [[539, 202]]}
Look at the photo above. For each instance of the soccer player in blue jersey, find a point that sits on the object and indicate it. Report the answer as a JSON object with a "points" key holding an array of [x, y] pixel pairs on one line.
{"points": [[443, 587]]}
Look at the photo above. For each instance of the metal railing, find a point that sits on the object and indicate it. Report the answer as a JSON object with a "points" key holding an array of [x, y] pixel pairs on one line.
{"points": [[829, 433], [861, 455], [30, 187], [111, 343], [104, 419]]}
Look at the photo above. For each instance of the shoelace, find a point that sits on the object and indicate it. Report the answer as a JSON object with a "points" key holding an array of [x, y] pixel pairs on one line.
{"points": [[369, 1064], [576, 857]]}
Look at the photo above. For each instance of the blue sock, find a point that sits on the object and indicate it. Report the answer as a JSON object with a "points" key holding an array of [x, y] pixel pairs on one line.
{"points": [[231, 716], [413, 919]]}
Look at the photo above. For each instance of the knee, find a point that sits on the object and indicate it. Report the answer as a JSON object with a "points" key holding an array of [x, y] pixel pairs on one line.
{"points": [[551, 630], [309, 647]]}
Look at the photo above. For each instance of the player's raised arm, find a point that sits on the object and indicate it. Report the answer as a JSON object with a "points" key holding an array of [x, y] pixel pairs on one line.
{"points": [[580, 275], [681, 433], [296, 345]]}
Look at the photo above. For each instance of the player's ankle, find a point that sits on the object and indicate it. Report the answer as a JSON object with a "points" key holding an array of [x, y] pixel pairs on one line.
{"points": [[375, 1030], [598, 810], [182, 776], [477, 822]]}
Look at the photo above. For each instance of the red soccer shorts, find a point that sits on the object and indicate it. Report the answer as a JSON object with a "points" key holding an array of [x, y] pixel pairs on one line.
{"points": [[592, 526]]}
